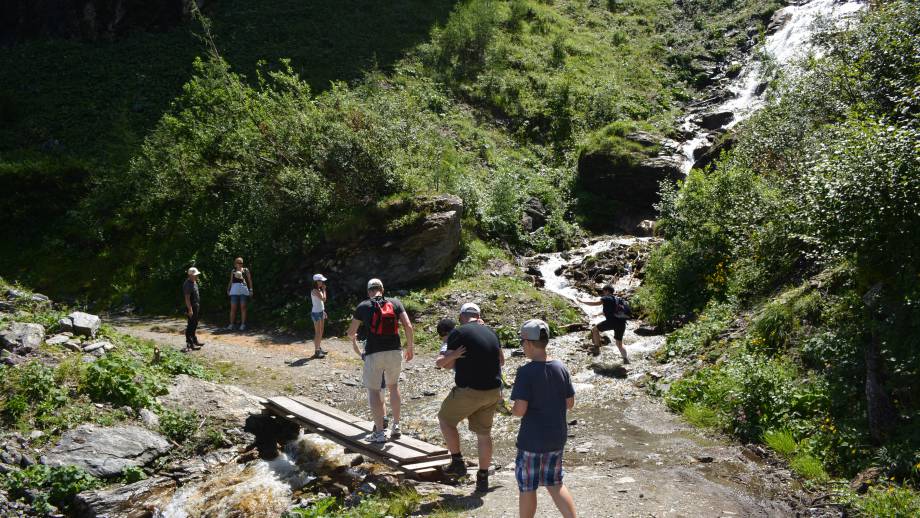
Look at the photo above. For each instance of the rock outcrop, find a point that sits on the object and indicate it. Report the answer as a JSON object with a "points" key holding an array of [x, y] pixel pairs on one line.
{"points": [[137, 500], [405, 243], [81, 323], [106, 451], [221, 403], [22, 338]]}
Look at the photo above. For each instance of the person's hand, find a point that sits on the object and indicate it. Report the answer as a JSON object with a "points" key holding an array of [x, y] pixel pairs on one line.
{"points": [[410, 353], [325, 316], [190, 312], [459, 352]]}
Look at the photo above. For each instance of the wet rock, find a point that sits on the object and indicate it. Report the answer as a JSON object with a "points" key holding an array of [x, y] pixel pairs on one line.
{"points": [[357, 460], [645, 228], [84, 323], [534, 215], [612, 370], [106, 451], [647, 330], [22, 338], [131, 501], [576, 327], [778, 20], [224, 403], [864, 479], [716, 120]]}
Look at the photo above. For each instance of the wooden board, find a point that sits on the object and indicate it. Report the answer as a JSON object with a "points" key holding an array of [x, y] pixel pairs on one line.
{"points": [[368, 426], [351, 434]]}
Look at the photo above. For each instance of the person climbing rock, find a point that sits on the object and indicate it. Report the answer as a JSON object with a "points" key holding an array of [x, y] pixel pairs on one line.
{"points": [[616, 311], [240, 291], [318, 313], [543, 393], [475, 353], [382, 317], [192, 308]]}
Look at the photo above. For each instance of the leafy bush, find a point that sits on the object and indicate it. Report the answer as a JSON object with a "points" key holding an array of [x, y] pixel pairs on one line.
{"points": [[701, 416], [889, 502], [781, 441], [56, 485], [121, 380], [132, 474], [178, 425]]}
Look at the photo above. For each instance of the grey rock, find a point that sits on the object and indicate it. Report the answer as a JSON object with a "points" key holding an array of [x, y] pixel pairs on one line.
{"points": [[22, 338], [106, 451], [38, 298], [6, 307], [74, 346], [95, 345], [716, 120], [149, 419], [645, 228], [26, 460], [133, 500], [66, 324], [225, 403], [59, 339], [11, 358], [84, 323], [15, 294]]}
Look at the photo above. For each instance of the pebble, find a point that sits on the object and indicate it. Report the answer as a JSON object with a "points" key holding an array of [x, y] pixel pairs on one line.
{"points": [[625, 480]]}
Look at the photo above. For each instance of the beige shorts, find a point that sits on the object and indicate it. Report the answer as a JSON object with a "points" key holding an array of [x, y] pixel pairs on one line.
{"points": [[476, 406], [383, 365]]}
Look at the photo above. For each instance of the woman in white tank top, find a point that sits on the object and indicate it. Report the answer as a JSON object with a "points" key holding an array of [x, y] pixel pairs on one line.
{"points": [[318, 313]]}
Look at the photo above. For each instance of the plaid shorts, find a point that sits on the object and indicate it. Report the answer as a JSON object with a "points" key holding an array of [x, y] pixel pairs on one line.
{"points": [[533, 470]]}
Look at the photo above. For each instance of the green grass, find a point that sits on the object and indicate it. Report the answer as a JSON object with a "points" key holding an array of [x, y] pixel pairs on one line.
{"points": [[808, 467], [889, 502], [781, 441], [701, 416]]}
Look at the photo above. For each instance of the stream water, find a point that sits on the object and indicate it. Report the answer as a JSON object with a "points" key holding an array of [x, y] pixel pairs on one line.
{"points": [[747, 90]]}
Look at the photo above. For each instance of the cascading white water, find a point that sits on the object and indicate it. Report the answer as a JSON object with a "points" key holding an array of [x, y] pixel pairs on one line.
{"points": [[790, 42]]}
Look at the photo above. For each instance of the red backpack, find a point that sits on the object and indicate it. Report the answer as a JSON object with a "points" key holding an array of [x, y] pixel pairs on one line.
{"points": [[384, 321]]}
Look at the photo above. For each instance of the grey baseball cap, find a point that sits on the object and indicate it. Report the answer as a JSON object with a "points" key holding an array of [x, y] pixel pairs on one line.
{"points": [[532, 329], [469, 309], [374, 283]]}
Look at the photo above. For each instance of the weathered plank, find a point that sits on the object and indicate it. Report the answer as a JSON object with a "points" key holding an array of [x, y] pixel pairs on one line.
{"points": [[352, 434], [368, 426]]}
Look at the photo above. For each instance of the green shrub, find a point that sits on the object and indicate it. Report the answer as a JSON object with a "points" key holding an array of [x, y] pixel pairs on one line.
{"points": [[121, 380], [132, 474], [781, 441], [701, 416], [807, 466], [56, 485], [178, 425], [889, 502]]}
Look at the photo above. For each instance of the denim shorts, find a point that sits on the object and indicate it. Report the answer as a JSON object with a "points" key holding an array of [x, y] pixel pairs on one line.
{"points": [[317, 316], [237, 299], [533, 470]]}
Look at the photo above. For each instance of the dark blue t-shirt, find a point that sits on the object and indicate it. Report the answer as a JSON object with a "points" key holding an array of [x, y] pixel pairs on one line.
{"points": [[610, 303], [545, 386]]}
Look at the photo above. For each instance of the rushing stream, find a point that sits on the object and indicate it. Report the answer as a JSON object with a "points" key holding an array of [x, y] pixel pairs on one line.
{"points": [[789, 42]]}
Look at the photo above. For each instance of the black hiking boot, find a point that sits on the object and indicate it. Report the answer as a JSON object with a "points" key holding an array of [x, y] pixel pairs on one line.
{"points": [[482, 481], [456, 468]]}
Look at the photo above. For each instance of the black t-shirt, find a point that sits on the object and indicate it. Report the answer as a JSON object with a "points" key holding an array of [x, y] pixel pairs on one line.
{"points": [[545, 386], [377, 343], [480, 367], [190, 288], [610, 306]]}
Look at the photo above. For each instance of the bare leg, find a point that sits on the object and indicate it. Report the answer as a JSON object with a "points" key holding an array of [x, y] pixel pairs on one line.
{"points": [[232, 314], [318, 327], [375, 401], [484, 448], [451, 437], [622, 351], [596, 336], [527, 504], [563, 500], [243, 311], [395, 401]]}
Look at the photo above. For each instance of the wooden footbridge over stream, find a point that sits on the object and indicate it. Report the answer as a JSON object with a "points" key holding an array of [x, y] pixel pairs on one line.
{"points": [[415, 458]]}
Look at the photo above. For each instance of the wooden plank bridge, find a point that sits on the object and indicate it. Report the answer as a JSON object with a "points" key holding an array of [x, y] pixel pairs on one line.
{"points": [[413, 457]]}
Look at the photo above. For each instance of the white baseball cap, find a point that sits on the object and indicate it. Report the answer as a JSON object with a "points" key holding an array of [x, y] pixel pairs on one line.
{"points": [[319, 277], [374, 283], [469, 309], [193, 271]]}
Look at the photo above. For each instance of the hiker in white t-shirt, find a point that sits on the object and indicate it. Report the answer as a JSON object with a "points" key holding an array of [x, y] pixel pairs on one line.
{"points": [[318, 313], [240, 290]]}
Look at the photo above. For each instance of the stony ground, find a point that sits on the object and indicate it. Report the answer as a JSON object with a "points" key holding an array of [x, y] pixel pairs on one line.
{"points": [[627, 455]]}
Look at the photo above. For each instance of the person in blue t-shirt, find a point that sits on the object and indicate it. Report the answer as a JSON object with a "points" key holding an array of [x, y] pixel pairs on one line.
{"points": [[616, 311], [542, 395]]}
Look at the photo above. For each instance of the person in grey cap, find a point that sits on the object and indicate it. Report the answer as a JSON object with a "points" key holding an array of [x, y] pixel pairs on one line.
{"points": [[382, 359], [542, 394], [475, 354]]}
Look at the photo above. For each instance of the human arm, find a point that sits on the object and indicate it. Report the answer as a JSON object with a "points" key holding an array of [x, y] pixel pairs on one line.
{"points": [[249, 279], [519, 408], [353, 335], [521, 393], [570, 403], [447, 359], [410, 335], [501, 357], [320, 293], [188, 303], [597, 302]]}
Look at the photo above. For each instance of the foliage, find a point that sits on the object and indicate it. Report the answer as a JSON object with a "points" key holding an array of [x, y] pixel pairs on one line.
{"points": [[807, 466], [132, 474], [889, 502], [781, 441], [398, 504], [701, 416], [121, 380], [179, 425], [57, 485]]}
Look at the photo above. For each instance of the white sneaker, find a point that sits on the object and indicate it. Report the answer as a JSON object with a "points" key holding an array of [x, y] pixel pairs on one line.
{"points": [[242, 327], [377, 438], [231, 327], [395, 433]]}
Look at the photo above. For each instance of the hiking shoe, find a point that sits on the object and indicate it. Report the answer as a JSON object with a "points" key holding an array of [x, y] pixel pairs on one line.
{"points": [[242, 327], [456, 468], [231, 327], [395, 433], [625, 361], [199, 345], [319, 353], [482, 481], [377, 437]]}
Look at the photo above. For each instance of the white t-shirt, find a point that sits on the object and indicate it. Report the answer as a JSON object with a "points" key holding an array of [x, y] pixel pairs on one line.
{"points": [[318, 304]]}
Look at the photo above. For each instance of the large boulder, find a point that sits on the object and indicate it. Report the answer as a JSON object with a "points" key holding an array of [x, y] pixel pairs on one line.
{"points": [[22, 338], [406, 242], [715, 120], [84, 324], [106, 451], [223, 403], [137, 500]]}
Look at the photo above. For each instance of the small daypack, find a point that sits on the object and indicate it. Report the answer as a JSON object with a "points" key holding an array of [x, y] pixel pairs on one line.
{"points": [[622, 308], [384, 321]]}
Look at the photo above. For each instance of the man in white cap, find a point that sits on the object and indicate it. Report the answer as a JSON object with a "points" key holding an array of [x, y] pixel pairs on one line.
{"points": [[192, 307], [382, 359], [475, 353]]}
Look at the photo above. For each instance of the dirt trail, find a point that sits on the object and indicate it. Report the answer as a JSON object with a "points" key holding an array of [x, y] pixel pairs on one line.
{"points": [[626, 456]]}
